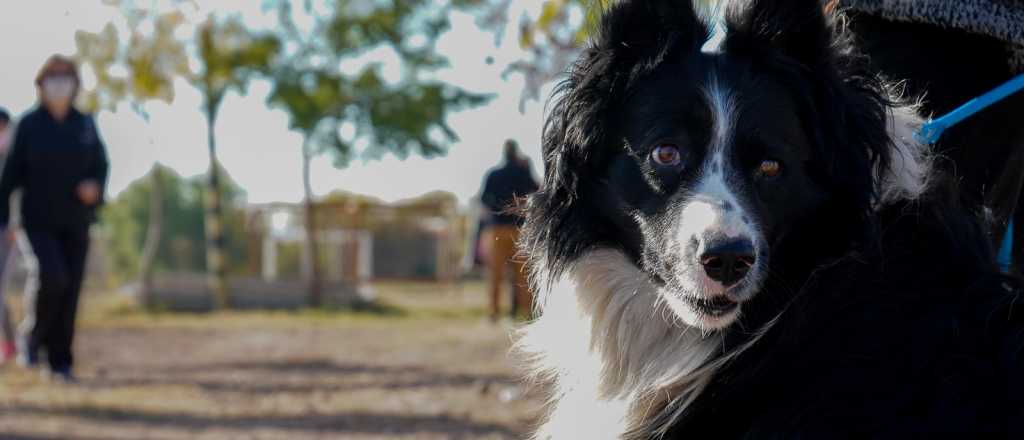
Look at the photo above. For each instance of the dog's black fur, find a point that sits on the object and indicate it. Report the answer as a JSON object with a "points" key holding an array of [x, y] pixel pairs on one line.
{"points": [[879, 316], [948, 67], [638, 69], [916, 337]]}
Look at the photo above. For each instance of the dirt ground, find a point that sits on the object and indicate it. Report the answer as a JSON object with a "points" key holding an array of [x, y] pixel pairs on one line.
{"points": [[428, 366]]}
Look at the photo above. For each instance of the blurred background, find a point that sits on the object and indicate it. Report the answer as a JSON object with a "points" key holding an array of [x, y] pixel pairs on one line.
{"points": [[291, 245]]}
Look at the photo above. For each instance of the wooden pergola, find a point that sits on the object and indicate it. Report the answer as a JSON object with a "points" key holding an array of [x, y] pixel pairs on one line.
{"points": [[348, 225]]}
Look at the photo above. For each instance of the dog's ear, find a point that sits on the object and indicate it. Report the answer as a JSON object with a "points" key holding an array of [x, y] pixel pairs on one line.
{"points": [[847, 104], [649, 28], [798, 29], [633, 37]]}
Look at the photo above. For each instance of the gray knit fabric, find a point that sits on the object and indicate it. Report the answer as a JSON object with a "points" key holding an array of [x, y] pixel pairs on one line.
{"points": [[1002, 19]]}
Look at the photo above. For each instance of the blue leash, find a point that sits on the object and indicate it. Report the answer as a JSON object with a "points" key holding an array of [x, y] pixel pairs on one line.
{"points": [[1005, 255], [932, 130]]}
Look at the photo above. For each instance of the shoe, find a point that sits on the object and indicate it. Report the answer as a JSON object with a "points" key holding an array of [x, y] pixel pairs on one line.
{"points": [[7, 351], [27, 357], [62, 375], [27, 360]]}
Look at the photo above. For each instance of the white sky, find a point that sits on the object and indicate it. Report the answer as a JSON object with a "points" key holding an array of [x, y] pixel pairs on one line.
{"points": [[255, 145]]}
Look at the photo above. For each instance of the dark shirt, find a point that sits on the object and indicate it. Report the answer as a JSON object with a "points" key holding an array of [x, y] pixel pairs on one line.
{"points": [[501, 188], [48, 160]]}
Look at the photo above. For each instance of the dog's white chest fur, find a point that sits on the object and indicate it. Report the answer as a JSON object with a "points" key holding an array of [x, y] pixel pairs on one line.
{"points": [[613, 350]]}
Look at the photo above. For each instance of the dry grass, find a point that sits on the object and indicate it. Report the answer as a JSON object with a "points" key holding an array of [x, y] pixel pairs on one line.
{"points": [[426, 366]]}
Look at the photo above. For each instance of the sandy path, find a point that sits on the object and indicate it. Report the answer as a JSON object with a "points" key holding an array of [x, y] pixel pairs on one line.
{"points": [[289, 376]]}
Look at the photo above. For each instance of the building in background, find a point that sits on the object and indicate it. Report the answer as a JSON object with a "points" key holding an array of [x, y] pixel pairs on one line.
{"points": [[363, 239]]}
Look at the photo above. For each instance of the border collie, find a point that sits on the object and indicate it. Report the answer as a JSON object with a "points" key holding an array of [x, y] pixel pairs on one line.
{"points": [[737, 236]]}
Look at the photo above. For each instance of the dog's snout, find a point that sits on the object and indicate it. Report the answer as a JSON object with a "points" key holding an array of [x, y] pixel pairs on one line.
{"points": [[728, 261]]}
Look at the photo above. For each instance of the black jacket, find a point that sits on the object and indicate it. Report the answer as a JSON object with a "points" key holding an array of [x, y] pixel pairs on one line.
{"points": [[501, 187], [48, 160]]}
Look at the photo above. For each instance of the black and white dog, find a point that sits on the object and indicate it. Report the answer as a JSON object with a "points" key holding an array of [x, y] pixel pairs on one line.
{"points": [[738, 238]]}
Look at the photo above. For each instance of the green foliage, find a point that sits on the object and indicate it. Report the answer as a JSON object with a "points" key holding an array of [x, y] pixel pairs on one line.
{"points": [[309, 97], [402, 118], [230, 56], [181, 244], [143, 65], [142, 69], [553, 26]]}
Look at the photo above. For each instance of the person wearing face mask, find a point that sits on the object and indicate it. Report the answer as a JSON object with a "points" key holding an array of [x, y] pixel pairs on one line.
{"points": [[60, 163]]}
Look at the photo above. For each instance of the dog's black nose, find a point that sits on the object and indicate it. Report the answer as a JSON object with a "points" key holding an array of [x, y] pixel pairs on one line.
{"points": [[728, 261]]}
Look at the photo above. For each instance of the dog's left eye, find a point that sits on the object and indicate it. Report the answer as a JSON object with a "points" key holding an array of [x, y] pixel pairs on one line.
{"points": [[769, 168], [666, 155]]}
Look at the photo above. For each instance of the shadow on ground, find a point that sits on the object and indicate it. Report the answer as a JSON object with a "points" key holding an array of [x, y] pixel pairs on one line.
{"points": [[299, 377], [441, 372], [340, 424]]}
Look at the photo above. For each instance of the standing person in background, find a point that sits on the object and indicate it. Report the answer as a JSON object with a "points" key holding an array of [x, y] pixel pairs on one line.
{"points": [[60, 163], [6, 244], [502, 186]]}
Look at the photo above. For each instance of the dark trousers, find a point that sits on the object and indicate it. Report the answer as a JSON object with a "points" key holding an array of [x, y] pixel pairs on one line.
{"points": [[60, 257]]}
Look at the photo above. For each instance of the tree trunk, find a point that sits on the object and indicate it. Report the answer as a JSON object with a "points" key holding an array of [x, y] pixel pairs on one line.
{"points": [[312, 240], [215, 262], [154, 233]]}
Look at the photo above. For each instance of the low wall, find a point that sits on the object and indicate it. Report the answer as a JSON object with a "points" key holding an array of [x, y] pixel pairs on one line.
{"points": [[188, 292]]}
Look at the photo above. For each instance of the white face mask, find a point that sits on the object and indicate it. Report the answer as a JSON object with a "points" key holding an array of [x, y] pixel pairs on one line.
{"points": [[58, 89]]}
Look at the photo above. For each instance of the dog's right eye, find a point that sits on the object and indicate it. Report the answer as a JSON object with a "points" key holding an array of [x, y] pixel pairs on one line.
{"points": [[666, 155]]}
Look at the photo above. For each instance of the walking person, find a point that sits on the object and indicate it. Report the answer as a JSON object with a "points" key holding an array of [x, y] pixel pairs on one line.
{"points": [[502, 187], [60, 163], [7, 348]]}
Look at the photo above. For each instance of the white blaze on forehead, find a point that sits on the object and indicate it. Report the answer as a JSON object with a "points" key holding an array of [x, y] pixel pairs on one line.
{"points": [[723, 113], [713, 16], [715, 204], [714, 207], [706, 215], [697, 216]]}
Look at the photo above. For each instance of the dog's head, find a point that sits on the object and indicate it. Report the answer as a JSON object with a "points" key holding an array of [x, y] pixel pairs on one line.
{"points": [[707, 164]]}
